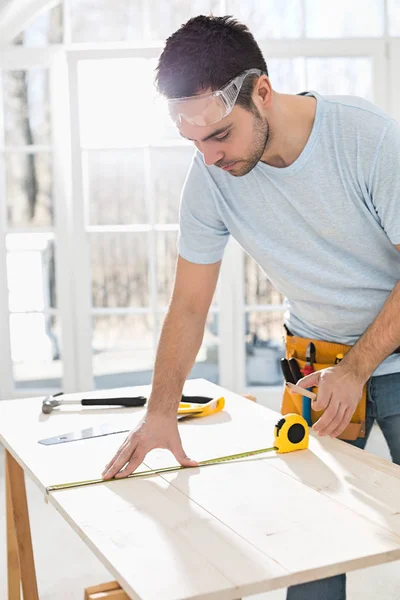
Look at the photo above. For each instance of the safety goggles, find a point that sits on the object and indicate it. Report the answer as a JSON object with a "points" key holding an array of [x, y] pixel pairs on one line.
{"points": [[206, 109]]}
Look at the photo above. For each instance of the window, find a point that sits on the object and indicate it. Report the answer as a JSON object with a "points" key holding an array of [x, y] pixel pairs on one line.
{"points": [[45, 29], [131, 200], [103, 229], [34, 323]]}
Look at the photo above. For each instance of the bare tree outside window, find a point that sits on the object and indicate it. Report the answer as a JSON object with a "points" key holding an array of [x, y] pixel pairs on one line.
{"points": [[120, 270]]}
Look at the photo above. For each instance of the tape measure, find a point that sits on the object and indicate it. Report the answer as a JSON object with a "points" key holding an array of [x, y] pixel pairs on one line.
{"points": [[290, 434]]}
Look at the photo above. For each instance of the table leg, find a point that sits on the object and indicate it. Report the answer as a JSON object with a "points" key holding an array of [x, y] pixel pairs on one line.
{"points": [[19, 512], [13, 571]]}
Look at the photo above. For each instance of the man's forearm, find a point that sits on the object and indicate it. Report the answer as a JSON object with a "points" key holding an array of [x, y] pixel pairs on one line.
{"points": [[180, 341], [380, 339]]}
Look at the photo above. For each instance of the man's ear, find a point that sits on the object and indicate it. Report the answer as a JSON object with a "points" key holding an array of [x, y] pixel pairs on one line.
{"points": [[262, 94]]}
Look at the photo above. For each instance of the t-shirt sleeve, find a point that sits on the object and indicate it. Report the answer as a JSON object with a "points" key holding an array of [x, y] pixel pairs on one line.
{"points": [[385, 185], [202, 233]]}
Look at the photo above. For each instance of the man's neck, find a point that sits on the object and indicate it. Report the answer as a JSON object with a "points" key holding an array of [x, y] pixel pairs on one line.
{"points": [[290, 124]]}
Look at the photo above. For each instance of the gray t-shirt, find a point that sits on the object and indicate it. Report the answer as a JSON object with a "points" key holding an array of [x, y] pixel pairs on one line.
{"points": [[323, 229]]}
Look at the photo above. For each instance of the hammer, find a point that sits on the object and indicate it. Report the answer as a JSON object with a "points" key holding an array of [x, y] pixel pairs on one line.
{"points": [[51, 402]]}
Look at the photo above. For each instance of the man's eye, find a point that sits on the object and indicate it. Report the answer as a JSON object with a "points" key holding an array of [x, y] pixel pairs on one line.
{"points": [[224, 137]]}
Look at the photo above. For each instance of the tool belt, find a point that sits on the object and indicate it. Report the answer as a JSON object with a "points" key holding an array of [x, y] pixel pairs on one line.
{"points": [[326, 353]]}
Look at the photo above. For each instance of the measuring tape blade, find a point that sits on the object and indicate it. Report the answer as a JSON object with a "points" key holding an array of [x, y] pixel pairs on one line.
{"points": [[149, 473], [291, 434]]}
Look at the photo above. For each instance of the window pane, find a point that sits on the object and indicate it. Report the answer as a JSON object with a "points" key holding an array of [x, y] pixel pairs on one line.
{"points": [[269, 18], [169, 167], [123, 352], [258, 288], [340, 76], [264, 347], [116, 187], [31, 267], [287, 74], [45, 29], [168, 15], [394, 17], [29, 183], [118, 103], [36, 350], [26, 107], [359, 18], [120, 269], [105, 21]]}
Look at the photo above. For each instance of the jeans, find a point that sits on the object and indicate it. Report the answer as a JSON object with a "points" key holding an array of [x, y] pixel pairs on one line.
{"points": [[383, 406]]}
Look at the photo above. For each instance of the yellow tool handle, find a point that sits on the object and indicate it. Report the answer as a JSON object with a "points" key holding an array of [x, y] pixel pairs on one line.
{"points": [[201, 410]]}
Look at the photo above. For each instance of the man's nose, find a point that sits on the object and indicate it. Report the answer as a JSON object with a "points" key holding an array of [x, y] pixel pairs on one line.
{"points": [[211, 155]]}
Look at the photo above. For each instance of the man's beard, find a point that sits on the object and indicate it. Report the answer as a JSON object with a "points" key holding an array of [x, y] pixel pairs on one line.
{"points": [[261, 139]]}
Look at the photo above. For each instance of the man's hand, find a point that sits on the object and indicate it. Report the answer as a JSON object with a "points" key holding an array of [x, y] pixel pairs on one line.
{"points": [[339, 392], [155, 431]]}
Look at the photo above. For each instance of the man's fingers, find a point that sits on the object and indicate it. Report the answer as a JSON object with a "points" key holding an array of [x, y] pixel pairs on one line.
{"points": [[114, 458], [325, 419], [309, 380], [136, 459], [119, 462], [335, 421], [182, 457], [323, 398], [343, 423]]}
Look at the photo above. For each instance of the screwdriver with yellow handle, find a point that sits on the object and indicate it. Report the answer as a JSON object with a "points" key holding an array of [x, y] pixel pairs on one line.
{"points": [[291, 433]]}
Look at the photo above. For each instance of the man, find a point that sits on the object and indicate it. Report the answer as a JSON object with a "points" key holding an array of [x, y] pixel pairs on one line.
{"points": [[310, 187]]}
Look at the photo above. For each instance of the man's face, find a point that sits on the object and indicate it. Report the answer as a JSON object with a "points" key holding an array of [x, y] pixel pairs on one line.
{"points": [[235, 144]]}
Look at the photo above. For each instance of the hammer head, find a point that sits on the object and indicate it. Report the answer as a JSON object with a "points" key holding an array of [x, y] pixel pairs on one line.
{"points": [[49, 403]]}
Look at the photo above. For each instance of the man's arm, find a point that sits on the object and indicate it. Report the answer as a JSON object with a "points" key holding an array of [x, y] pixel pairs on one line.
{"points": [[180, 341], [380, 339], [340, 387], [182, 333]]}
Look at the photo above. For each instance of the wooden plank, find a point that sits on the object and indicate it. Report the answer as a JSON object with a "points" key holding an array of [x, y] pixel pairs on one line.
{"points": [[358, 480], [109, 586], [266, 516], [218, 532], [106, 591], [47, 464], [150, 523], [22, 528], [114, 595], [13, 570]]}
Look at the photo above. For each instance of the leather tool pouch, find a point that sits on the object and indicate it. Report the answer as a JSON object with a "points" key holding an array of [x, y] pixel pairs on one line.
{"points": [[325, 354]]}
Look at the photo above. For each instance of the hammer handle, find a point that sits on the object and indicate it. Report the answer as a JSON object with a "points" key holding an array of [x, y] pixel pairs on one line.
{"points": [[133, 401], [129, 401], [137, 401]]}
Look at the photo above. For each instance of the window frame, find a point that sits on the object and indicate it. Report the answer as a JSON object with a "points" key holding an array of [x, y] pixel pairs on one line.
{"points": [[73, 287]]}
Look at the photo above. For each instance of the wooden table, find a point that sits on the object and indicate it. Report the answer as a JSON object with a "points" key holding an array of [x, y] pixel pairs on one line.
{"points": [[219, 532]]}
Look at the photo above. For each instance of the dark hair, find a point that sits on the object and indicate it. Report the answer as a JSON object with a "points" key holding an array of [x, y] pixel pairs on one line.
{"points": [[207, 52]]}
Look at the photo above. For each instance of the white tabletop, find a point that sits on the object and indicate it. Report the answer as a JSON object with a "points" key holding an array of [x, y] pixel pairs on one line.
{"points": [[224, 531]]}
